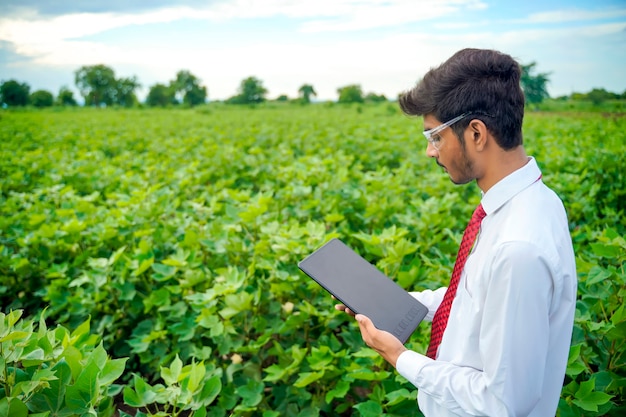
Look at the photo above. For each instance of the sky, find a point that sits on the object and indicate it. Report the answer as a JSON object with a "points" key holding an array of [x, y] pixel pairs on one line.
{"points": [[385, 46]]}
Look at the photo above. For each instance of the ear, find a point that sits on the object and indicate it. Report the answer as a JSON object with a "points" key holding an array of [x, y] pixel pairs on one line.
{"points": [[477, 134]]}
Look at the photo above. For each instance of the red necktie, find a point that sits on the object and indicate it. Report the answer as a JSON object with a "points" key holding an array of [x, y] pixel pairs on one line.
{"points": [[443, 312]]}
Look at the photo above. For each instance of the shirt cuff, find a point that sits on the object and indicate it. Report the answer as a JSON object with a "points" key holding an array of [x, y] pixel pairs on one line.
{"points": [[410, 363]]}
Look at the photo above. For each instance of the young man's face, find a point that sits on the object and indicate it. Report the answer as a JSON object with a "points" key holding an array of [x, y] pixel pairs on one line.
{"points": [[449, 152]]}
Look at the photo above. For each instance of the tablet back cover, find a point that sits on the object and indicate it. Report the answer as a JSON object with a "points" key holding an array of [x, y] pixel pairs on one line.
{"points": [[364, 289]]}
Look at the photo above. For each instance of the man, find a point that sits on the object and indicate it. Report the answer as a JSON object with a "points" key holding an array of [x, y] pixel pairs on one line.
{"points": [[504, 332]]}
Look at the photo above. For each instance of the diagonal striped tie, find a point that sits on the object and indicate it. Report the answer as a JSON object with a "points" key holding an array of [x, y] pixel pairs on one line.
{"points": [[443, 312]]}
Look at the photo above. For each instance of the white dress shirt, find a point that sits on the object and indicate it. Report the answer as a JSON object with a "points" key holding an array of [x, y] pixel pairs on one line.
{"points": [[505, 348]]}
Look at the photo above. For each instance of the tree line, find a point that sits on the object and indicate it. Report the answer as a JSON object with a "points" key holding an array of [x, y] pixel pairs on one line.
{"points": [[99, 87]]}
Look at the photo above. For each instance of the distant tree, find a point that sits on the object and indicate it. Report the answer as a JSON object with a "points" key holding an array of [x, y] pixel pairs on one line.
{"points": [[160, 95], [187, 88], [534, 86], [350, 94], [375, 98], [195, 96], [66, 97], [125, 91], [600, 95], [97, 84], [596, 96], [282, 97], [251, 91], [13, 93], [41, 98], [305, 92]]}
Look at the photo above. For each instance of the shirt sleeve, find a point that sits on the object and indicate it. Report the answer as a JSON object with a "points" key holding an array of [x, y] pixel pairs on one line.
{"points": [[513, 342], [431, 299]]}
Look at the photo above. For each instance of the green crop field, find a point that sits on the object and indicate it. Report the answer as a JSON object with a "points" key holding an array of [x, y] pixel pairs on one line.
{"points": [[148, 258]]}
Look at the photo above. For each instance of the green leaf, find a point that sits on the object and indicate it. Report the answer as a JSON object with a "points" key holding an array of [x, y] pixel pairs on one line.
{"points": [[171, 375], [619, 315], [588, 405], [369, 409], [163, 272], [210, 390], [575, 369], [13, 317], [131, 398], [368, 375], [35, 219], [574, 353], [251, 393], [236, 303], [398, 396], [191, 238], [81, 396], [16, 335], [574, 365], [597, 274], [306, 378], [309, 412], [52, 399], [320, 358], [73, 357], [606, 251], [13, 407], [45, 343], [200, 412], [98, 356], [196, 374], [146, 393], [276, 373], [80, 333], [588, 399], [143, 394], [22, 389], [143, 266], [340, 391], [116, 255], [112, 370]]}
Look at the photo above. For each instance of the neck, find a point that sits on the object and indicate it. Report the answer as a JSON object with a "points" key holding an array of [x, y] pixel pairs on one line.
{"points": [[500, 164]]}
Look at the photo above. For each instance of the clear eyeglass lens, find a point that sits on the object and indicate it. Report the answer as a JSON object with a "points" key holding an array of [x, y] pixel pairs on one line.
{"points": [[432, 135], [435, 140]]}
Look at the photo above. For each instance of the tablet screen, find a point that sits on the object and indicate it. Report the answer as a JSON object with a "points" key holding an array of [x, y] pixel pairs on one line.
{"points": [[364, 289]]}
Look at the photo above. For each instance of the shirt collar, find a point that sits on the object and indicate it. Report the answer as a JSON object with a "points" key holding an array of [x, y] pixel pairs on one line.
{"points": [[511, 185]]}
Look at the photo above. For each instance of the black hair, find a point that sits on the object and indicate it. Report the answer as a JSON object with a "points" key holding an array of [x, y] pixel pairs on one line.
{"points": [[482, 82]]}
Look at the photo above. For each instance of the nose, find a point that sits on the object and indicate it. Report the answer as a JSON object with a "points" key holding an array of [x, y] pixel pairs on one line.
{"points": [[431, 151]]}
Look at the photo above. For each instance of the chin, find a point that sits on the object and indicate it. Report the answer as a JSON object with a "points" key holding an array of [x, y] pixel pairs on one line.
{"points": [[460, 181]]}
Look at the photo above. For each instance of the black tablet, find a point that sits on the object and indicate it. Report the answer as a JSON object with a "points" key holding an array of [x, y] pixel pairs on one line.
{"points": [[364, 289]]}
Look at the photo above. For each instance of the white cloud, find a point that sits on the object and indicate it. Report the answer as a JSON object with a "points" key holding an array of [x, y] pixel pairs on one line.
{"points": [[387, 64], [39, 30], [571, 15], [57, 41], [352, 14]]}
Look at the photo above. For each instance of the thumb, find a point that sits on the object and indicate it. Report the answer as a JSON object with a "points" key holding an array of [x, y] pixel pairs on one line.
{"points": [[363, 320]]}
